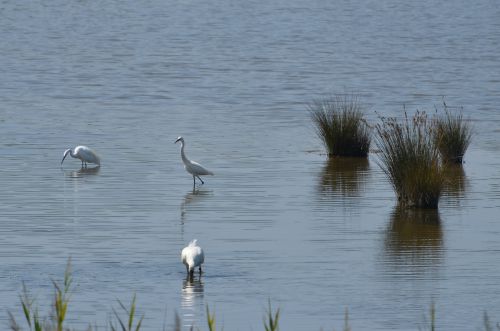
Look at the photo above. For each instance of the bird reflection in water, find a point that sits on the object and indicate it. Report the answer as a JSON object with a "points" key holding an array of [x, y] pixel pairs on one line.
{"points": [[191, 197], [344, 176], [192, 305], [84, 171], [414, 238]]}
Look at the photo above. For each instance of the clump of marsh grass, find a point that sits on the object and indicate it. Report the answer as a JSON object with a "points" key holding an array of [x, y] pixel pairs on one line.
{"points": [[452, 135], [30, 313], [410, 159], [55, 322], [340, 124]]}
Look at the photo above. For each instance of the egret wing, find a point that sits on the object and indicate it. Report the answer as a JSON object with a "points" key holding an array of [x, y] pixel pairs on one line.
{"points": [[198, 169], [199, 256], [184, 255], [87, 155]]}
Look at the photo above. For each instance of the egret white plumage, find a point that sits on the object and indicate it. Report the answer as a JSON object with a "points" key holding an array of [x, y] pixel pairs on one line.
{"points": [[192, 256], [194, 168], [85, 154]]}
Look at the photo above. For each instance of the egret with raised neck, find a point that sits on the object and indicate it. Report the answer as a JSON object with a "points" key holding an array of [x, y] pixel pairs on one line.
{"points": [[194, 168]]}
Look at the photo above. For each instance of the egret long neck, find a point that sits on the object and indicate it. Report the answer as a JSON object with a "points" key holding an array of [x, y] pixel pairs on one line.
{"points": [[184, 158]]}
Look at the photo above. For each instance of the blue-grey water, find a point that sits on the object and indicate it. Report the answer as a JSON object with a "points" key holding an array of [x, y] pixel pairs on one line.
{"points": [[278, 221]]}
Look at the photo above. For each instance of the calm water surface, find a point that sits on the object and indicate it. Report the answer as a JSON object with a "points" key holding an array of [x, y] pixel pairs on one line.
{"points": [[278, 221]]}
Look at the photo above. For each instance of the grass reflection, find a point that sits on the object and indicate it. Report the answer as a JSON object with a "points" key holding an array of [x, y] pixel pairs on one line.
{"points": [[414, 236], [455, 183], [344, 176]]}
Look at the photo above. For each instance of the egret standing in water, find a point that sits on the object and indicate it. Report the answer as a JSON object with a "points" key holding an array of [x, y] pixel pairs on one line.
{"points": [[85, 154], [192, 167], [192, 256]]}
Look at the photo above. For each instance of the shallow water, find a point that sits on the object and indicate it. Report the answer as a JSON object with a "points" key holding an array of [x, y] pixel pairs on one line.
{"points": [[277, 221]]}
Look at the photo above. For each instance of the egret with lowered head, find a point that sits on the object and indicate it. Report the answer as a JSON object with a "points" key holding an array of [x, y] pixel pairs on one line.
{"points": [[192, 167], [85, 154], [192, 256]]}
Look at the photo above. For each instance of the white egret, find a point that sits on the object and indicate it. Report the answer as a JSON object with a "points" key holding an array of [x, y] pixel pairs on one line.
{"points": [[192, 167], [85, 154], [192, 256]]}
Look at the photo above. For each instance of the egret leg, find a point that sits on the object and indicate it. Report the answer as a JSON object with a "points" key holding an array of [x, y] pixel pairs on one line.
{"points": [[200, 270], [82, 163], [194, 181], [202, 182]]}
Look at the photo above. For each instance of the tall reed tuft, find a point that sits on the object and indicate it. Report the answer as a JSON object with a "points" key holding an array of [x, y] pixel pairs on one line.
{"points": [[453, 135], [410, 159], [341, 126]]}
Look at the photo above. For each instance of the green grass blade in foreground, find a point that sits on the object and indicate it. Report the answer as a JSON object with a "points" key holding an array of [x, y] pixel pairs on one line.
{"points": [[272, 322], [62, 296], [130, 315], [210, 320], [346, 321], [26, 303], [271, 319]]}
